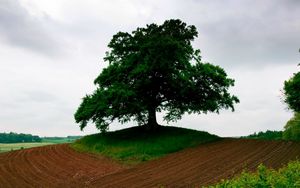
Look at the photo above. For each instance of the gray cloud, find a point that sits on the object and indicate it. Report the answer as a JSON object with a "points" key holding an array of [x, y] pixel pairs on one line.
{"points": [[19, 28], [250, 33]]}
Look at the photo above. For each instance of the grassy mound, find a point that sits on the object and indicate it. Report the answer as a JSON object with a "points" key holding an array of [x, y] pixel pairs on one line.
{"points": [[134, 145]]}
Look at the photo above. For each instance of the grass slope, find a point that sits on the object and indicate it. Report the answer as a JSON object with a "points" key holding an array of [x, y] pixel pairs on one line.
{"points": [[134, 145]]}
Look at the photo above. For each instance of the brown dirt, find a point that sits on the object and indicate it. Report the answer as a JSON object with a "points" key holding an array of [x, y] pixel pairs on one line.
{"points": [[60, 166], [52, 166]]}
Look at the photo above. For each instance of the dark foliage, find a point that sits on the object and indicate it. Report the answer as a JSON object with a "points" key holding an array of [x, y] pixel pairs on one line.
{"points": [[17, 138], [155, 69], [292, 92]]}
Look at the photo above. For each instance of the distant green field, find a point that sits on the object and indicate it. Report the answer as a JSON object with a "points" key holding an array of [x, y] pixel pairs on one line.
{"points": [[45, 141], [57, 140], [17, 146]]}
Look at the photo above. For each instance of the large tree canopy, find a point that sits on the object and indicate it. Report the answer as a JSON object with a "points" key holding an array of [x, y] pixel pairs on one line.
{"points": [[155, 69]]}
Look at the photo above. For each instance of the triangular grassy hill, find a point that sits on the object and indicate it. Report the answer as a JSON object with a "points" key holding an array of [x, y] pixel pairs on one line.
{"points": [[134, 145]]}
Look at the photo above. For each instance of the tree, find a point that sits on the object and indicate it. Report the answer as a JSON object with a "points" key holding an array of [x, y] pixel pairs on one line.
{"points": [[292, 99], [155, 69], [292, 128], [292, 92]]}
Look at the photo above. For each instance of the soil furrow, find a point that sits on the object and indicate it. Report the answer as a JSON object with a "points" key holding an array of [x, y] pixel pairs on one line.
{"points": [[61, 166]]}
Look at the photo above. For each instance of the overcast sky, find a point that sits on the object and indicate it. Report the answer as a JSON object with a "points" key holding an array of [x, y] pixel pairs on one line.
{"points": [[51, 51]]}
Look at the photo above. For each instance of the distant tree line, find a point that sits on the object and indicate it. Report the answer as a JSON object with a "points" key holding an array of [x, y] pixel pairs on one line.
{"points": [[17, 138], [291, 132], [268, 135]]}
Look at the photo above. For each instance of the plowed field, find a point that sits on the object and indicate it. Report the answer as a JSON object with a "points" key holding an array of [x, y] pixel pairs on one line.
{"points": [[60, 166], [52, 166]]}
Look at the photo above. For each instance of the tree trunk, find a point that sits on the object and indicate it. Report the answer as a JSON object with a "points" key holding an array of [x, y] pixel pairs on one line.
{"points": [[152, 123]]}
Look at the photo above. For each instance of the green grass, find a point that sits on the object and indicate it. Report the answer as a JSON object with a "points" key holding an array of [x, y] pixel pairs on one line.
{"points": [[288, 176], [17, 146], [134, 145], [5, 147]]}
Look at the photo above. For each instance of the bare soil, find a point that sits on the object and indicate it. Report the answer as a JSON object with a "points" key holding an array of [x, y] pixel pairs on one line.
{"points": [[52, 166], [61, 166]]}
